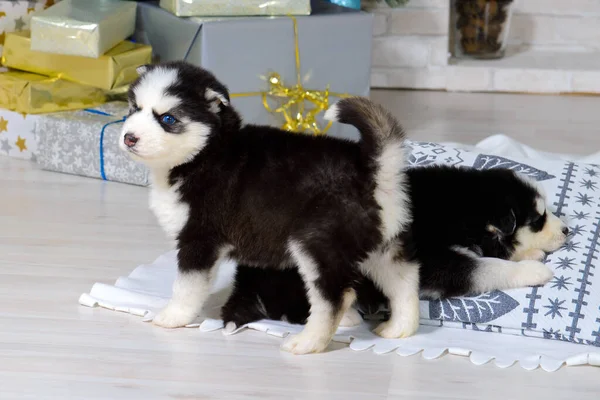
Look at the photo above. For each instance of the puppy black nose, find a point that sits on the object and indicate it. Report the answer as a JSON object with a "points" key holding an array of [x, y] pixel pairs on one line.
{"points": [[565, 231], [130, 139]]}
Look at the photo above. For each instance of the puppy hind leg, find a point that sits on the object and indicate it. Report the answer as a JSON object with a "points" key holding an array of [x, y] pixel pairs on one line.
{"points": [[351, 318], [403, 292], [328, 303], [399, 281]]}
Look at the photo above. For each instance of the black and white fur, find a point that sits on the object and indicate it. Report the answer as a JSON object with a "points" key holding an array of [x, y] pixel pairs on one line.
{"points": [[271, 199], [472, 231]]}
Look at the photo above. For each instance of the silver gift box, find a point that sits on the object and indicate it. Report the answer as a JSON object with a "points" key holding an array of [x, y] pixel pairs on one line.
{"points": [[87, 28], [85, 143], [334, 45]]}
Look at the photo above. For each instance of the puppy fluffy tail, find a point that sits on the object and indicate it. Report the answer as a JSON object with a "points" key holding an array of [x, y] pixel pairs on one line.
{"points": [[378, 128], [382, 146]]}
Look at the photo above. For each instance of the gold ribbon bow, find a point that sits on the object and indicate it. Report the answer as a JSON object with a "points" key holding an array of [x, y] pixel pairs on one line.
{"points": [[293, 100]]}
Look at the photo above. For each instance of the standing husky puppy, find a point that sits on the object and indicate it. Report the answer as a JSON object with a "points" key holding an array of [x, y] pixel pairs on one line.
{"points": [[271, 199]]}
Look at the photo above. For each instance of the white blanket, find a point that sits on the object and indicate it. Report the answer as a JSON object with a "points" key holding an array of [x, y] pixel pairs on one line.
{"points": [[148, 288]]}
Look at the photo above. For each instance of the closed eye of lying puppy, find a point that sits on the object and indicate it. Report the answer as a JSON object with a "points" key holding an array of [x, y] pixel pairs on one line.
{"points": [[472, 231]]}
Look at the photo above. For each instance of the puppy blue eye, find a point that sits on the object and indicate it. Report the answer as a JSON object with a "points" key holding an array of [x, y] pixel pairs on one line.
{"points": [[168, 119]]}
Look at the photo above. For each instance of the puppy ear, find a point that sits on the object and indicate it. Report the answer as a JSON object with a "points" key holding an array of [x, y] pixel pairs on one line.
{"points": [[142, 69], [504, 226], [216, 98]]}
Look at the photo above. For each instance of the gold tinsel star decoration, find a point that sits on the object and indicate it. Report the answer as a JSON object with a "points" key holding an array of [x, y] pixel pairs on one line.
{"points": [[21, 144], [3, 125], [2, 14], [293, 105], [299, 106], [2, 38]]}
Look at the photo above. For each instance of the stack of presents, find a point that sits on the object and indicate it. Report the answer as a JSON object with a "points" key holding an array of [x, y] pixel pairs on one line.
{"points": [[66, 67]]}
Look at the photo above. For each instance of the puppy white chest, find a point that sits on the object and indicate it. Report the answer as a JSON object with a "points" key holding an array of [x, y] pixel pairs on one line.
{"points": [[171, 212]]}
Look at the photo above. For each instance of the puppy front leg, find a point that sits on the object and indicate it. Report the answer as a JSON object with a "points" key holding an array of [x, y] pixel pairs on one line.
{"points": [[196, 267], [530, 254], [496, 274]]}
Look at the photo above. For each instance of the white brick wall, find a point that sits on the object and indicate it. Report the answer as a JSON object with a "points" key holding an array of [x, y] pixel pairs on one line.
{"points": [[400, 51], [531, 80], [410, 45], [558, 7], [581, 33], [419, 21], [410, 48]]}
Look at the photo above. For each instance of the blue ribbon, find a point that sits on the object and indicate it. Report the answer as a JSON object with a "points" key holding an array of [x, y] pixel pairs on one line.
{"points": [[98, 112]]}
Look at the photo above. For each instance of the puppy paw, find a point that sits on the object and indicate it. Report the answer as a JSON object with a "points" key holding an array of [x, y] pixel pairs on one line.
{"points": [[351, 318], [533, 254], [397, 330], [174, 317], [229, 328], [305, 343], [533, 273]]}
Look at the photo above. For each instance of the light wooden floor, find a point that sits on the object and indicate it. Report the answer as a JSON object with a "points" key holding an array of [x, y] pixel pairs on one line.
{"points": [[59, 234]]}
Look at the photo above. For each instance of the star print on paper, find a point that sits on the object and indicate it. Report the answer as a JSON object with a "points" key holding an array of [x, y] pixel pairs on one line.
{"points": [[555, 307], [20, 143], [570, 246], [580, 215], [576, 230], [3, 125], [30, 10], [583, 199], [591, 172], [549, 333], [588, 184], [565, 263], [561, 282], [19, 23], [4, 146], [2, 14]]}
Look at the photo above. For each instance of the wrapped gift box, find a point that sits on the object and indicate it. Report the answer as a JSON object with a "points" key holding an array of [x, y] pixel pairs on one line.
{"points": [[85, 143], [15, 15], [82, 27], [115, 68], [187, 8], [17, 135], [34, 94], [334, 47]]}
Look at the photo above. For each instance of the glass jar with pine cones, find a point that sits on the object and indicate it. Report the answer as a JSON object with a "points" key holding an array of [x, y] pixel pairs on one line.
{"points": [[480, 27]]}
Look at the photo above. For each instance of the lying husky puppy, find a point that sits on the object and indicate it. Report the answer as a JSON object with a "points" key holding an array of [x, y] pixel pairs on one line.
{"points": [[333, 209], [472, 231]]}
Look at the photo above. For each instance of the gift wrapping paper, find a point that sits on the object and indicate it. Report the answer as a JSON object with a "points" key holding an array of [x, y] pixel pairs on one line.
{"points": [[85, 143], [34, 94], [285, 59], [15, 15], [114, 69], [82, 27], [18, 137], [189, 8]]}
